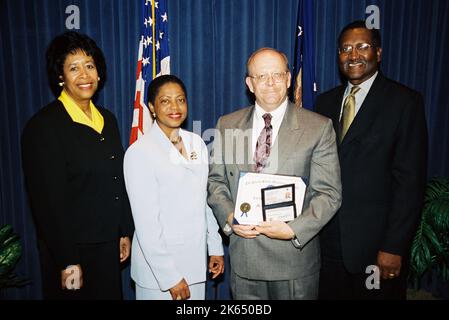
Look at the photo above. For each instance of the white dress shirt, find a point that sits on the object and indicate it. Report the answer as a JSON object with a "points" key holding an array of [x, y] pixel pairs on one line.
{"points": [[259, 123], [360, 95]]}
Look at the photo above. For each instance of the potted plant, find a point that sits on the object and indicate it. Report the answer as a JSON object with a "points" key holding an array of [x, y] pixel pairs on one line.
{"points": [[430, 247], [10, 252]]}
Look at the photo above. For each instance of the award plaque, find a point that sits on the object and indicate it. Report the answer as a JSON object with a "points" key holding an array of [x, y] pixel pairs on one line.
{"points": [[268, 197]]}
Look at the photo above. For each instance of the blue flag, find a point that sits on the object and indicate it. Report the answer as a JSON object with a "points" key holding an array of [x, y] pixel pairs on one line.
{"points": [[304, 70]]}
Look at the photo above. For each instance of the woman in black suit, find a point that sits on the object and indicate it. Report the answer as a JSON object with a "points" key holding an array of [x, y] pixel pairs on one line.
{"points": [[73, 165]]}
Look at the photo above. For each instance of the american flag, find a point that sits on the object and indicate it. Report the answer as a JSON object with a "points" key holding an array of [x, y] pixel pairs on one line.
{"points": [[153, 61], [304, 71]]}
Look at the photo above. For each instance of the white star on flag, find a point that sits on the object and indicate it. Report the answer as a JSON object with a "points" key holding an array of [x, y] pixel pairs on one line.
{"points": [[153, 60]]}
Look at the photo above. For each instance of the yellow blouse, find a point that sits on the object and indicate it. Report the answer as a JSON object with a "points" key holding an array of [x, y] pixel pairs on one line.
{"points": [[77, 115]]}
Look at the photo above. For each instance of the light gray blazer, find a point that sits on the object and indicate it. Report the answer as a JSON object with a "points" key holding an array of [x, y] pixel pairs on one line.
{"points": [[174, 227], [305, 147]]}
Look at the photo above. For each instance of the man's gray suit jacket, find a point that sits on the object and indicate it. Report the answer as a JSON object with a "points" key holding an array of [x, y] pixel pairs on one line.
{"points": [[305, 147]]}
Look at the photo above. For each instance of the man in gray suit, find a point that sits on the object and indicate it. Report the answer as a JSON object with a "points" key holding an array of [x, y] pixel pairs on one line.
{"points": [[274, 260]]}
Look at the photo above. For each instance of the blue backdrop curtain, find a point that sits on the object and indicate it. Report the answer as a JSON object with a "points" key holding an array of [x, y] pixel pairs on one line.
{"points": [[210, 41]]}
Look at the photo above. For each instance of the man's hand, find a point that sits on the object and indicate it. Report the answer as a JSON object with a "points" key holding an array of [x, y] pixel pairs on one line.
{"points": [[244, 231], [72, 277], [276, 230], [180, 291], [125, 248], [216, 265], [389, 264]]}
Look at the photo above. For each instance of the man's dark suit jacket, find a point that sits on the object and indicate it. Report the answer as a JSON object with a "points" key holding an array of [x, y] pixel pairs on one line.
{"points": [[383, 160], [74, 179]]}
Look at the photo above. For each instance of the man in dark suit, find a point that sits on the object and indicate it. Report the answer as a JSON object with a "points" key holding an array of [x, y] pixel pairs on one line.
{"points": [[383, 157]]}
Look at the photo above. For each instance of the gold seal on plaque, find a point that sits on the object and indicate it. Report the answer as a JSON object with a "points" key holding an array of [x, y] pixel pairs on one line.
{"points": [[245, 207]]}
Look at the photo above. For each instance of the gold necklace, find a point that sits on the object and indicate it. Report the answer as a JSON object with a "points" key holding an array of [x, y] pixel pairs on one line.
{"points": [[176, 141]]}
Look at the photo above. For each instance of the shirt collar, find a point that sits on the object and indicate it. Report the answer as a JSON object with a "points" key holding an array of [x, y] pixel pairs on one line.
{"points": [[276, 113], [77, 115], [364, 86]]}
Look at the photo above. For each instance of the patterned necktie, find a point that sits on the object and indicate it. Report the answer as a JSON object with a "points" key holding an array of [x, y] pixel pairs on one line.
{"points": [[348, 112], [263, 145]]}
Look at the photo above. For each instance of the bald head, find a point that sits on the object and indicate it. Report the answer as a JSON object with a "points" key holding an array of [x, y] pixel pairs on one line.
{"points": [[268, 78], [265, 52]]}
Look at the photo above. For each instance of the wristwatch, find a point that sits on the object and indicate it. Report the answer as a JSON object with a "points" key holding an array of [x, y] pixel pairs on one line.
{"points": [[296, 243], [227, 229]]}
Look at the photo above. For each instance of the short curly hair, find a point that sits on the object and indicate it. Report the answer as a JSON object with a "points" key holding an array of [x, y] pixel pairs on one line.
{"points": [[68, 43], [360, 24]]}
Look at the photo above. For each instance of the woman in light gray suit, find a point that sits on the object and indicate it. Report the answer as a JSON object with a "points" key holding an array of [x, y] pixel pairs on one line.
{"points": [[166, 178]]}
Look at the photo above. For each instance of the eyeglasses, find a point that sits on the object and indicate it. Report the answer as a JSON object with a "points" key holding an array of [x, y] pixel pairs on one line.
{"points": [[360, 47], [276, 76]]}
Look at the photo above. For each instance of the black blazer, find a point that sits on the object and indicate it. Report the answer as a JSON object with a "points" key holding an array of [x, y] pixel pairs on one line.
{"points": [[383, 160], [74, 179]]}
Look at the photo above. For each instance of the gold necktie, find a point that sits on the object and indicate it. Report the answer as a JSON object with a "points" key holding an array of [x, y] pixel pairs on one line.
{"points": [[348, 112]]}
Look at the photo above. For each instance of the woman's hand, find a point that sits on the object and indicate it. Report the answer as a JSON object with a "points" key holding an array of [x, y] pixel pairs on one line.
{"points": [[216, 265], [180, 291], [125, 248]]}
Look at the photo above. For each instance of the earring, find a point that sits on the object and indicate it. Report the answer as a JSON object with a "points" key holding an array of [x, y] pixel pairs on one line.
{"points": [[98, 78], [154, 115], [61, 83]]}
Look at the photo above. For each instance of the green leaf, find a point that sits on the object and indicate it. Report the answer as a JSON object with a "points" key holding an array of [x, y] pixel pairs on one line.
{"points": [[10, 255], [430, 246], [5, 231], [10, 252]]}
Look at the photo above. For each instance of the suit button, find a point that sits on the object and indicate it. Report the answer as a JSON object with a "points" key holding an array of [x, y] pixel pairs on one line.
{"points": [[231, 173], [101, 139], [115, 177], [117, 197], [112, 157]]}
